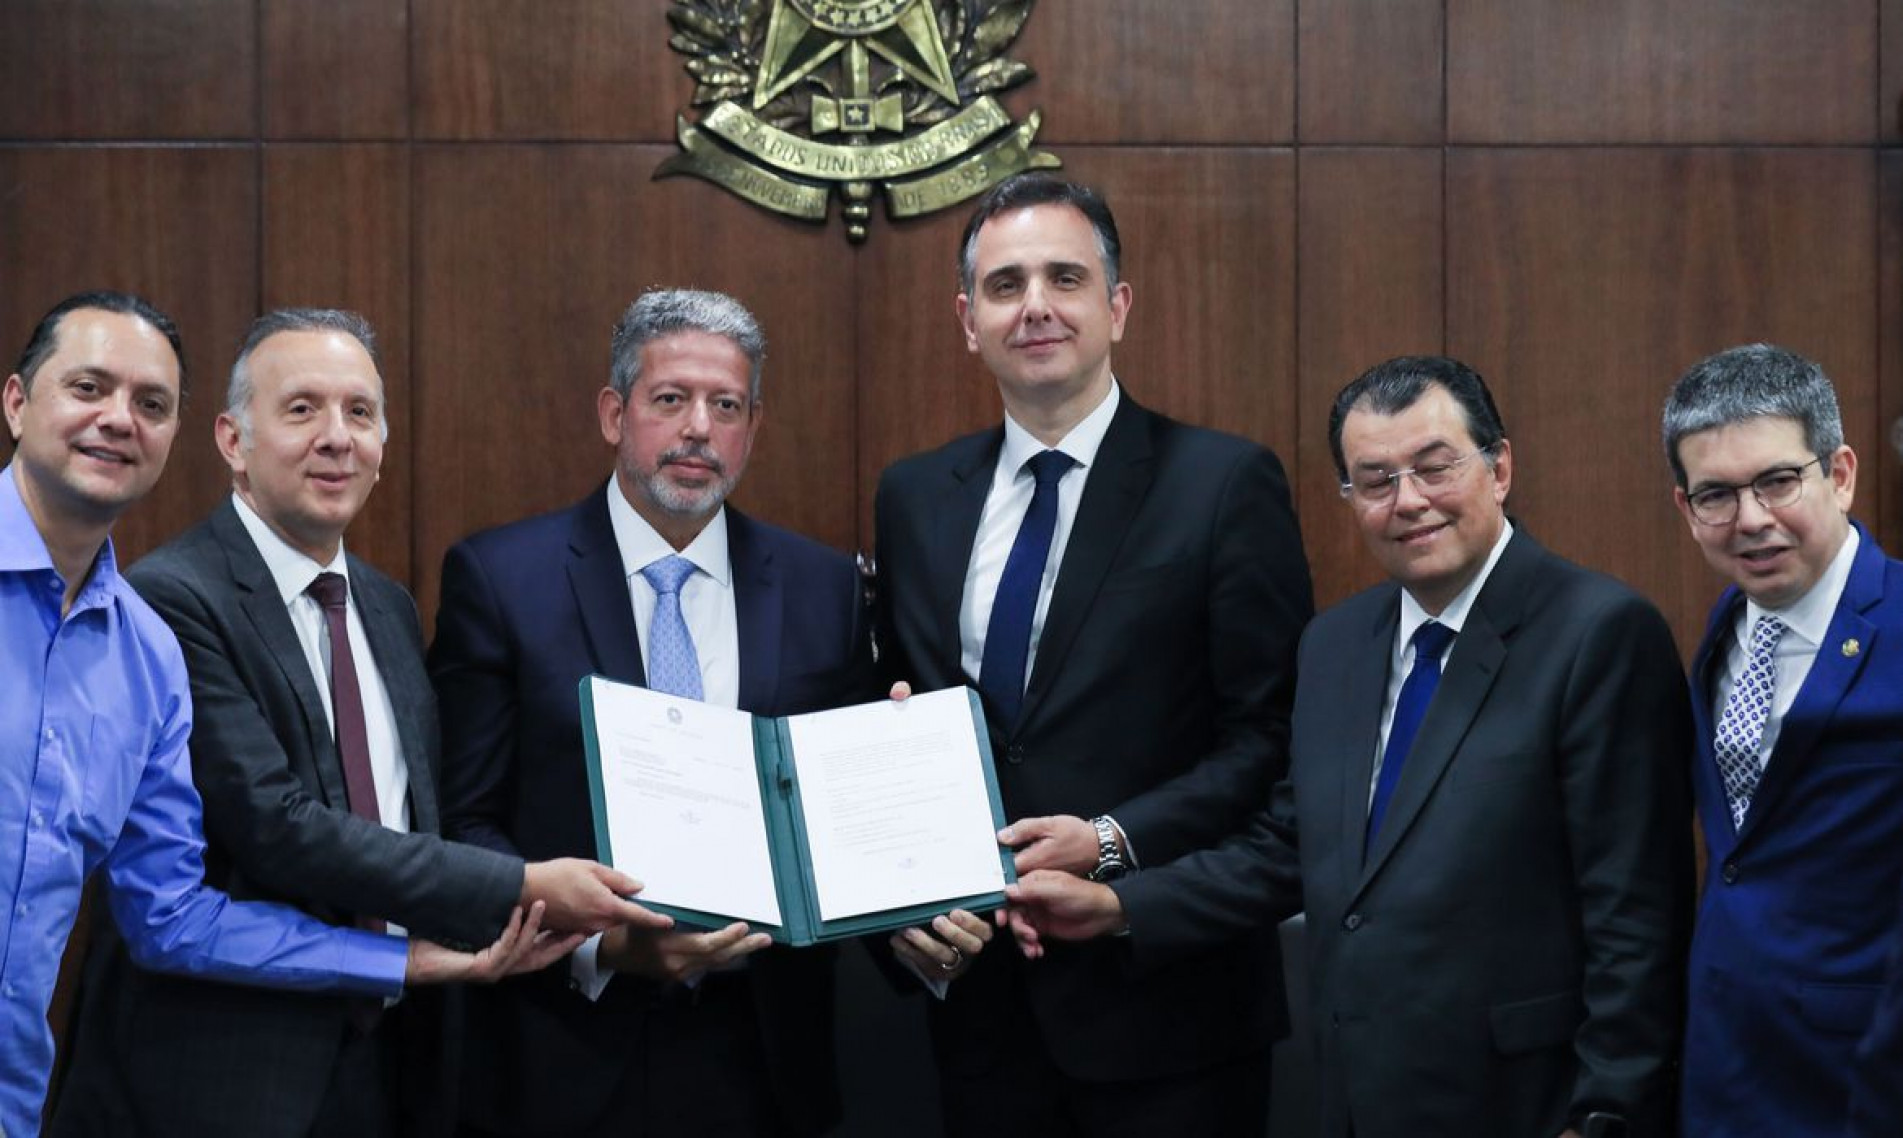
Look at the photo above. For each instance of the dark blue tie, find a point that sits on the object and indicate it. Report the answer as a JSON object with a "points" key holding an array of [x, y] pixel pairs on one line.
{"points": [[1430, 640], [1008, 637]]}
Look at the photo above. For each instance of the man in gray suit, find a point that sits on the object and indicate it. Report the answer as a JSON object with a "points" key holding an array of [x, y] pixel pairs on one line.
{"points": [[315, 748], [1488, 787]]}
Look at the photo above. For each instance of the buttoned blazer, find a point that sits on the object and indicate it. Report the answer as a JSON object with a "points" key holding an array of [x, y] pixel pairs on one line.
{"points": [[194, 1057], [528, 611], [1159, 695], [1799, 904], [1508, 953]]}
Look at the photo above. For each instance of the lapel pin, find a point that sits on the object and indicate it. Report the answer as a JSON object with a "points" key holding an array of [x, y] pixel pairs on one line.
{"points": [[1851, 647]]}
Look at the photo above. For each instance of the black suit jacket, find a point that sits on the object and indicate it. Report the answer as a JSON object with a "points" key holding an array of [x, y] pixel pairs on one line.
{"points": [[190, 1057], [1509, 954], [530, 609], [1159, 695]]}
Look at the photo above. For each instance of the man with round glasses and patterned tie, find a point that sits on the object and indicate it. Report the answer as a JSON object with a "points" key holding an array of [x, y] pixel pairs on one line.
{"points": [[1798, 694]]}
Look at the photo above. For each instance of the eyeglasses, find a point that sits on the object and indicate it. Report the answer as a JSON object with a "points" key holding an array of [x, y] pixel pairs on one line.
{"points": [[1429, 478], [1780, 486]]}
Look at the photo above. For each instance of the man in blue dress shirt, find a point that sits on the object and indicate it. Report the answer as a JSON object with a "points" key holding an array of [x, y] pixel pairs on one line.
{"points": [[94, 715]]}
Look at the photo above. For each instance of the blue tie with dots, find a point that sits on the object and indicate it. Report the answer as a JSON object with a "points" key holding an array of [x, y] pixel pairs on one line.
{"points": [[673, 666], [1417, 691], [1008, 636], [1747, 708]]}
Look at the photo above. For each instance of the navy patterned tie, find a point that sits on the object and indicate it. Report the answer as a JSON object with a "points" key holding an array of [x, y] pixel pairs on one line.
{"points": [[1741, 727], [673, 666], [1008, 636], [1417, 691]]}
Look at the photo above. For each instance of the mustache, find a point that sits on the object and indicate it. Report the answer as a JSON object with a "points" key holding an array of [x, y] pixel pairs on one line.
{"points": [[698, 452]]}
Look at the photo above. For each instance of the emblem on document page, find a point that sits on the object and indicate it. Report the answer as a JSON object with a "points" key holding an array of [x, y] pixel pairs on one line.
{"points": [[799, 99]]}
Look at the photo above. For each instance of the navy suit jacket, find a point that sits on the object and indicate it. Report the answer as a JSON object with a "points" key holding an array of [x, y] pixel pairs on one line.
{"points": [[1876, 1090], [1798, 907], [192, 1057], [528, 610], [1159, 695]]}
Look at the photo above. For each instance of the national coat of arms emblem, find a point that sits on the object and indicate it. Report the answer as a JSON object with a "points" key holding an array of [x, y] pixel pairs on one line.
{"points": [[800, 99]]}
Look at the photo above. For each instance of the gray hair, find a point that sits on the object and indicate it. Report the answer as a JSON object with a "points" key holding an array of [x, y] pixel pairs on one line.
{"points": [[239, 390], [1752, 381], [663, 312]]}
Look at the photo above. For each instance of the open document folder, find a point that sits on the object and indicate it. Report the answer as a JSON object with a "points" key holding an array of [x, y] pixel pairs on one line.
{"points": [[810, 827]]}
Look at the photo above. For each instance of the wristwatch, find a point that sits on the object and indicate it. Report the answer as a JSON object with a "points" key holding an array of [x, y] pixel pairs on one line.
{"points": [[1110, 863]]}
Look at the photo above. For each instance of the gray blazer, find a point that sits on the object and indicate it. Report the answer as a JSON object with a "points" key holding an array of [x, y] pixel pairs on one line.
{"points": [[190, 1057]]}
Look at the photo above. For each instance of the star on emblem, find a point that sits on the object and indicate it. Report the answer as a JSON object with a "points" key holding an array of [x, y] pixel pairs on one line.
{"points": [[804, 34]]}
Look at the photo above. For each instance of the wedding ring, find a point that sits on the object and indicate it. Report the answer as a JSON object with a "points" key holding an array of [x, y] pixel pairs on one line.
{"points": [[957, 959]]}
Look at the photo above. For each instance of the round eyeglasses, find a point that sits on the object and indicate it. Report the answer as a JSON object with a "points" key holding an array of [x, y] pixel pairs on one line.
{"points": [[1716, 504]]}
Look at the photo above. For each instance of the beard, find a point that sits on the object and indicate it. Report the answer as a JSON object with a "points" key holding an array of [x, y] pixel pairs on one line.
{"points": [[683, 501]]}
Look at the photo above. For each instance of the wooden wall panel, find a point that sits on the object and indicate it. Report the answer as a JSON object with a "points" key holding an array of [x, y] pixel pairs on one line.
{"points": [[95, 69], [1675, 71], [1880, 478], [335, 70], [337, 235], [1583, 282], [526, 255], [1890, 90], [1371, 71], [1126, 72], [1371, 288], [177, 226], [528, 69]]}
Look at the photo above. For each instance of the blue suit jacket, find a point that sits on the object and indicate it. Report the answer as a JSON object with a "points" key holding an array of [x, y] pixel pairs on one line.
{"points": [[1788, 953], [528, 610]]}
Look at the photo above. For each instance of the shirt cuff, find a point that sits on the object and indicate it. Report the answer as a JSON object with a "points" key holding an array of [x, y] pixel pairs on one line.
{"points": [[585, 973], [375, 962], [938, 986]]}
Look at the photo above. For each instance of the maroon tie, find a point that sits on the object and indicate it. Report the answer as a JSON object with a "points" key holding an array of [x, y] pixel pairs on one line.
{"points": [[346, 708]]}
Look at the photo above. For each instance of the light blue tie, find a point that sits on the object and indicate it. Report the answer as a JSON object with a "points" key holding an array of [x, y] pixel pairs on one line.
{"points": [[673, 666]]}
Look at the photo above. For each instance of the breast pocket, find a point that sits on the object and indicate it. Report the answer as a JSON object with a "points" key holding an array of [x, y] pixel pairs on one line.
{"points": [[105, 776]]}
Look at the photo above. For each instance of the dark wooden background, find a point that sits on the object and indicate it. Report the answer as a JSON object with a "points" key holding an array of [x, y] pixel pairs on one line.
{"points": [[1579, 199]]}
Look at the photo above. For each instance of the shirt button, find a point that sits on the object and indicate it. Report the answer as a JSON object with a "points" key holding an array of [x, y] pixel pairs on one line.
{"points": [[39, 819], [1730, 873]]}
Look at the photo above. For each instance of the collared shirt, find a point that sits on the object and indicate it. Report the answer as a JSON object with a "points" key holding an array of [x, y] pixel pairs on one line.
{"points": [[707, 600], [1806, 623], [95, 712], [1005, 506], [293, 573], [1401, 654], [712, 616]]}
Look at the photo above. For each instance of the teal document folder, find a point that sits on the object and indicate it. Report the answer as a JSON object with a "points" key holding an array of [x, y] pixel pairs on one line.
{"points": [[859, 845]]}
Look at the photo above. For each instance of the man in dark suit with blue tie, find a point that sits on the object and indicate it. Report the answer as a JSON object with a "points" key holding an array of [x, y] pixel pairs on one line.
{"points": [[651, 580], [1798, 694], [1486, 817], [314, 746], [1125, 591]]}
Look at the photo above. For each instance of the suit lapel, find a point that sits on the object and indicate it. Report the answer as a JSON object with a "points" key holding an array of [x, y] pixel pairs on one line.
{"points": [[955, 530], [271, 622], [385, 617], [1831, 675], [1467, 676], [1125, 465], [1365, 689], [758, 602], [1714, 802], [600, 585]]}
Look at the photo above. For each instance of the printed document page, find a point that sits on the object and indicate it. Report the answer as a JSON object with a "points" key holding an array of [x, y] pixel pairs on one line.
{"points": [[683, 802], [895, 801]]}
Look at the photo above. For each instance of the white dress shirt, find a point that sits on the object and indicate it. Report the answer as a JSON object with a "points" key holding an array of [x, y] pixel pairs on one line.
{"points": [[708, 607], [293, 573], [1008, 500], [1806, 622], [1401, 654]]}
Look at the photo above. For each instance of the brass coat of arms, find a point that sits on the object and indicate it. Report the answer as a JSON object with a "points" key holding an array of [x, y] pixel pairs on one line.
{"points": [[803, 98]]}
